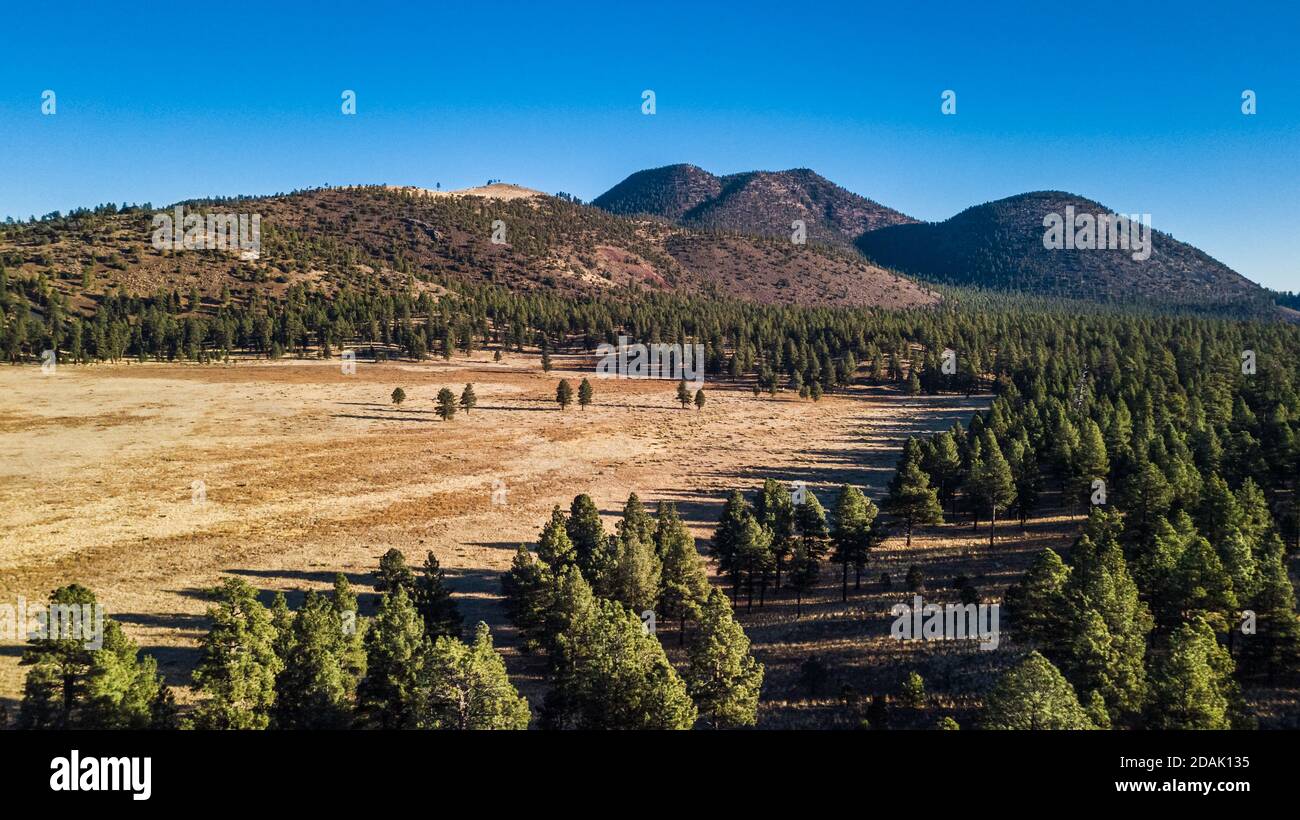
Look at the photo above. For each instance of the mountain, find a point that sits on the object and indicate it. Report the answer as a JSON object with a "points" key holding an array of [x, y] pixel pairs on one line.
{"points": [[757, 203], [1000, 245], [394, 238]]}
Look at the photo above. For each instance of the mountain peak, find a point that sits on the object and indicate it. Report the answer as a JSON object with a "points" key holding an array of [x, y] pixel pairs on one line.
{"points": [[760, 203]]}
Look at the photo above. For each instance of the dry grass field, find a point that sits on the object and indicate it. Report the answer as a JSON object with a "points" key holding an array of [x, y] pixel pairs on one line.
{"points": [[307, 472]]}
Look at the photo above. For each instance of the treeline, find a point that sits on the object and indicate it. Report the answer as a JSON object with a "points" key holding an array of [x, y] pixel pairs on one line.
{"points": [[322, 666], [589, 601]]}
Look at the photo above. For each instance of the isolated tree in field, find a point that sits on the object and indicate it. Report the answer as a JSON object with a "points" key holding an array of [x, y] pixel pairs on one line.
{"points": [[683, 394], [913, 384], [393, 572], [564, 394], [1034, 695], [990, 483], [528, 590], [389, 694], [432, 599], [699, 399], [399, 395], [446, 408], [722, 676], [312, 691], [853, 535], [236, 674], [683, 585], [911, 498], [468, 399], [609, 673], [546, 359], [554, 546], [913, 694], [468, 689], [1192, 687], [585, 393]]}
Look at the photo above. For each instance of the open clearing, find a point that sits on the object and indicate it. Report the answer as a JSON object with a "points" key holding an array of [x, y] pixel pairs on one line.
{"points": [[307, 472]]}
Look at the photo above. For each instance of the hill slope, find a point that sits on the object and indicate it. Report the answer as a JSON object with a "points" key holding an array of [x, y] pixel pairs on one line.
{"points": [[1000, 245], [757, 203], [380, 236]]}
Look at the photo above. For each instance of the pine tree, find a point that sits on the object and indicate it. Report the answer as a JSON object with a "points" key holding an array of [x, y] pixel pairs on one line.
{"points": [[754, 557], [683, 585], [683, 394], [1090, 462], [911, 497], [594, 556], [1034, 695], [467, 399], [554, 547], [399, 395], [389, 694], [699, 399], [945, 466], [854, 535], [564, 394], [727, 538], [446, 408], [432, 599], [394, 573], [609, 673], [467, 687], [528, 588], [1113, 622], [1203, 587], [636, 520], [585, 393], [1038, 604], [312, 690], [805, 567], [913, 384], [54, 694], [722, 676], [990, 483], [774, 511], [1192, 685], [236, 674], [1273, 651], [635, 578]]}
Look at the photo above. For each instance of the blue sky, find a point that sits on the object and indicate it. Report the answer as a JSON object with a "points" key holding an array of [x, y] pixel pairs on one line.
{"points": [[1137, 106]]}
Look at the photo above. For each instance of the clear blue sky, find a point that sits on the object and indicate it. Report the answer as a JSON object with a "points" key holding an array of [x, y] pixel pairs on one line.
{"points": [[1134, 105]]}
